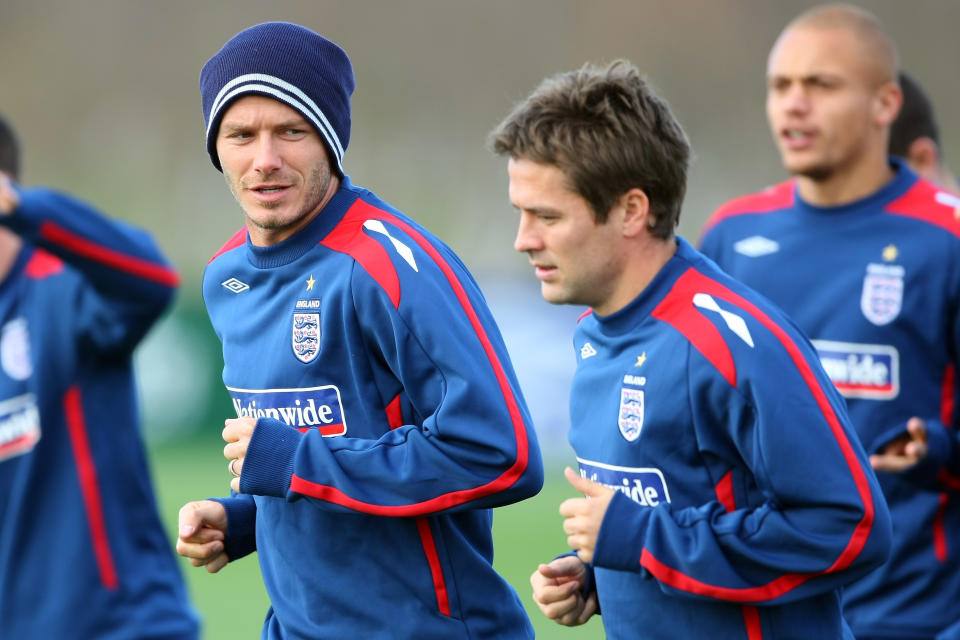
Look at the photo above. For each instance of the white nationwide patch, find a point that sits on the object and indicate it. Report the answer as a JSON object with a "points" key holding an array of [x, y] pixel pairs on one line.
{"points": [[734, 322], [630, 419], [882, 296], [305, 336], [756, 246], [404, 251], [15, 349], [587, 351], [232, 284]]}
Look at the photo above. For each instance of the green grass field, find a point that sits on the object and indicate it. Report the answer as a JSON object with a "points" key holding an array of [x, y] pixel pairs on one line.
{"points": [[233, 602]]}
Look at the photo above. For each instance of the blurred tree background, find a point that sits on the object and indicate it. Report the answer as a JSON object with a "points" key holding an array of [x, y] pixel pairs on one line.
{"points": [[104, 95]]}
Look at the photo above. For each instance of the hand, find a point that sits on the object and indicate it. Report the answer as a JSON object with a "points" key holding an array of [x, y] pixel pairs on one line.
{"points": [[237, 433], [584, 515], [558, 591], [904, 451], [203, 526], [9, 200]]}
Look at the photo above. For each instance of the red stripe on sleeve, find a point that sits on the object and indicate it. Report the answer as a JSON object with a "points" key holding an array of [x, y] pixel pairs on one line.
{"points": [[687, 285], [444, 501], [79, 245], [89, 486]]}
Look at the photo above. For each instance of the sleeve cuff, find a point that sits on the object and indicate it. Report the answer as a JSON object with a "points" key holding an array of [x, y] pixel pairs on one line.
{"points": [[621, 535], [241, 537], [268, 464]]}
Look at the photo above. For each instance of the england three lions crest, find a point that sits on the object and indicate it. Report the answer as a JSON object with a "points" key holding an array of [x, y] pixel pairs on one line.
{"points": [[630, 419], [882, 296], [305, 336]]}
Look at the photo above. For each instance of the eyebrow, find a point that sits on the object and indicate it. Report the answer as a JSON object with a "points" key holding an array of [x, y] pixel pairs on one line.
{"points": [[288, 124]]}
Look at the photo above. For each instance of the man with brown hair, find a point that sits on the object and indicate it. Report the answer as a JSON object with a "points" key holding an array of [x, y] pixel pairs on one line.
{"points": [[697, 408], [865, 257]]}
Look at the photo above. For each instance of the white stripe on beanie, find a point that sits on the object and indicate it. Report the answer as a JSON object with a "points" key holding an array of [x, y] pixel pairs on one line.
{"points": [[283, 91]]}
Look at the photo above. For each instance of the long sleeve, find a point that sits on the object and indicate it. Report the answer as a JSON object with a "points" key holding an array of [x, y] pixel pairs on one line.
{"points": [[460, 436], [131, 282], [798, 510]]}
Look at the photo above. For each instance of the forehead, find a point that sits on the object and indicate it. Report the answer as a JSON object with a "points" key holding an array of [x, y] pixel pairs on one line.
{"points": [[807, 51], [254, 108], [535, 180]]}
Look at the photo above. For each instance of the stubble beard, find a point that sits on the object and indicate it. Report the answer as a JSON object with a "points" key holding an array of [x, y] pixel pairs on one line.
{"points": [[320, 178]]}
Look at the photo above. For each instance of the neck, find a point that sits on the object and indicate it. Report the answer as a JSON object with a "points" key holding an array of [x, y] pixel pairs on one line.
{"points": [[846, 185], [641, 266]]}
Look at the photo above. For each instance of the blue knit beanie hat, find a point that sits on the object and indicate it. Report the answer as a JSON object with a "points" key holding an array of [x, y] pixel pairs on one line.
{"points": [[289, 63]]}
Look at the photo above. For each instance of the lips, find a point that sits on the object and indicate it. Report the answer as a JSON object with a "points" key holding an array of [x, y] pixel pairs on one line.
{"points": [[268, 192], [796, 138], [544, 272]]}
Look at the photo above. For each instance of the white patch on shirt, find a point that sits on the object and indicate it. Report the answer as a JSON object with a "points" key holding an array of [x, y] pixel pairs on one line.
{"points": [[404, 251], [587, 351], [734, 322], [756, 246], [234, 285], [15, 349]]}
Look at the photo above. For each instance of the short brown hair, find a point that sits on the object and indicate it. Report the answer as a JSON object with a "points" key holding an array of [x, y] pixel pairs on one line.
{"points": [[608, 132]]}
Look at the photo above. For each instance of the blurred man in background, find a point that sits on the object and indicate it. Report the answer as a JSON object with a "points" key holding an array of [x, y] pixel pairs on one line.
{"points": [[697, 409], [915, 136], [865, 257], [83, 554], [379, 416]]}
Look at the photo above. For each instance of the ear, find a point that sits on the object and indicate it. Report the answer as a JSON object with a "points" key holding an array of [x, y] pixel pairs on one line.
{"points": [[886, 104], [923, 157], [637, 216]]}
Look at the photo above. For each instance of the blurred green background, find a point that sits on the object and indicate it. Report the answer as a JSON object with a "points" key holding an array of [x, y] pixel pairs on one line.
{"points": [[104, 95]]}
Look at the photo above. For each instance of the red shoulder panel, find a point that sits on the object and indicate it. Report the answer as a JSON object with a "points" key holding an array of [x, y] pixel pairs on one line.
{"points": [[237, 239], [43, 264], [779, 196], [925, 201], [348, 237]]}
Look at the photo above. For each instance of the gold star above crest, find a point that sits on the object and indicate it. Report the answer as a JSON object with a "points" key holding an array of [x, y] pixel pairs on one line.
{"points": [[641, 359], [890, 253], [311, 282]]}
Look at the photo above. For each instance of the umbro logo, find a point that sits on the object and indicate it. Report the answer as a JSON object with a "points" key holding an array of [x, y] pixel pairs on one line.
{"points": [[587, 351], [235, 285], [756, 246]]}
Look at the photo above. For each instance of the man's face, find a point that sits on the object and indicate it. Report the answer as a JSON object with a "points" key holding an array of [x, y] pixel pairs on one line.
{"points": [[275, 164], [821, 101], [575, 259]]}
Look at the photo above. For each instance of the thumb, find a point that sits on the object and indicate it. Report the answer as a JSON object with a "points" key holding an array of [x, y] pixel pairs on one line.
{"points": [[917, 428], [584, 485]]}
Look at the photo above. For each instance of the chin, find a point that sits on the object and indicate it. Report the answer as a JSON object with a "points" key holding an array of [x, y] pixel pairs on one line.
{"points": [[817, 172]]}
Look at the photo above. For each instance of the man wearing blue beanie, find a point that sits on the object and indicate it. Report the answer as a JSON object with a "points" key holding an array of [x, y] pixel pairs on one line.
{"points": [[378, 415]]}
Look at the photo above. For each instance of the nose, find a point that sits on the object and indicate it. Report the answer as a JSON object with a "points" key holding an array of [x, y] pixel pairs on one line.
{"points": [[528, 239], [267, 158], [795, 98]]}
